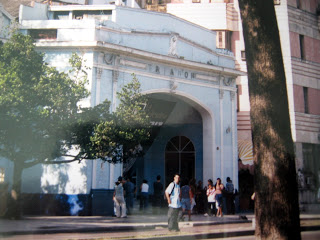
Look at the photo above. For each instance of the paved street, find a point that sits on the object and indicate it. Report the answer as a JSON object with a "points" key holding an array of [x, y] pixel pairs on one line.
{"points": [[140, 227]]}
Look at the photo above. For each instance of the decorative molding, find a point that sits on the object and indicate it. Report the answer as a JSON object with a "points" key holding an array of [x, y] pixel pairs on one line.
{"points": [[227, 81], [232, 96], [129, 63], [204, 77], [221, 93], [108, 58], [173, 45], [115, 75], [99, 73], [173, 86]]}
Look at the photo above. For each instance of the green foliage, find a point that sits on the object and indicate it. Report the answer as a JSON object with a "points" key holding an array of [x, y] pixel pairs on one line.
{"points": [[121, 138], [36, 103], [40, 120]]}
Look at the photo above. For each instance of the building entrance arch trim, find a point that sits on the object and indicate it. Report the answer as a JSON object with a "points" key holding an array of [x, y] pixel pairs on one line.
{"points": [[208, 122]]}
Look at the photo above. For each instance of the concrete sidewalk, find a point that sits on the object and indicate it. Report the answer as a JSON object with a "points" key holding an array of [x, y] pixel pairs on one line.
{"points": [[229, 224]]}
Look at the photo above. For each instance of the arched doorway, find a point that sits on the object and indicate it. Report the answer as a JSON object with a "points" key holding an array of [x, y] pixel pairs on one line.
{"points": [[179, 158]]}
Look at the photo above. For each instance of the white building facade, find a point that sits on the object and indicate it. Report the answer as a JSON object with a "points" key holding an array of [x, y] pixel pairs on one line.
{"points": [[188, 79]]}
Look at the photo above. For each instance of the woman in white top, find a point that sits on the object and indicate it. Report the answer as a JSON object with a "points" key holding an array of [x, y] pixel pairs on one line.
{"points": [[211, 193], [144, 196]]}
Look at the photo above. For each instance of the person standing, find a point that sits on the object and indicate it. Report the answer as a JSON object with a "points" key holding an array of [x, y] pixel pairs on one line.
{"points": [[230, 196], [129, 189], [211, 200], [144, 195], [219, 187], [157, 194], [118, 198], [200, 198], [173, 197], [205, 202]]}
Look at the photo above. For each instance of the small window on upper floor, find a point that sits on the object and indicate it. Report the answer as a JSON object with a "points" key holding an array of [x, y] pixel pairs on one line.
{"points": [[243, 55], [224, 39], [298, 4], [63, 15], [302, 47], [43, 33], [306, 101], [2, 175]]}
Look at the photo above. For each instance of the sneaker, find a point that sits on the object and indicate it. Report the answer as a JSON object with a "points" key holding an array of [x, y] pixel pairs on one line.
{"points": [[206, 215]]}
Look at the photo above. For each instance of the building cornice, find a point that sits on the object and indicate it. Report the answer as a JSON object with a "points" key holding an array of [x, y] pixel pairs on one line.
{"points": [[127, 51]]}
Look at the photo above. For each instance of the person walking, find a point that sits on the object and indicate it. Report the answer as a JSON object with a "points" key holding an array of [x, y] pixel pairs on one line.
{"points": [[144, 195], [186, 200], [157, 195], [192, 185], [118, 198], [173, 197], [219, 200], [129, 189]]}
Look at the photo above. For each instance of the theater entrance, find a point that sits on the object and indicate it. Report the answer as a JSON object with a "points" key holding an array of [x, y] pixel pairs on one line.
{"points": [[179, 158]]}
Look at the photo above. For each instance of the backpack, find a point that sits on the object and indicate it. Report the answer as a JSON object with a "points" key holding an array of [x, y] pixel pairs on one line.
{"points": [[164, 195]]}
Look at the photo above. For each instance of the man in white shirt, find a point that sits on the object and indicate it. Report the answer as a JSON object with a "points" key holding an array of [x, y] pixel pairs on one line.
{"points": [[173, 197]]}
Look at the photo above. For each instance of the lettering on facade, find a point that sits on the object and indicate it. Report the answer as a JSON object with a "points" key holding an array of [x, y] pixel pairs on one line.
{"points": [[172, 72], [157, 69], [186, 74]]}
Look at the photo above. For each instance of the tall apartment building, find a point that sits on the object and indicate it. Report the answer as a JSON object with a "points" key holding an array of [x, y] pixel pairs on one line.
{"points": [[299, 27]]}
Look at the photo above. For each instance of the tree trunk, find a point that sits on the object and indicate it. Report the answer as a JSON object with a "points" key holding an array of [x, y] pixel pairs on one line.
{"points": [[14, 204], [276, 200]]}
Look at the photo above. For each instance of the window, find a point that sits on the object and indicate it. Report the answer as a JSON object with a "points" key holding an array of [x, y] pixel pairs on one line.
{"points": [[179, 158], [43, 33], [311, 153], [298, 4], [61, 15], [306, 102], [239, 92], [243, 55], [1, 175], [302, 49], [224, 39]]}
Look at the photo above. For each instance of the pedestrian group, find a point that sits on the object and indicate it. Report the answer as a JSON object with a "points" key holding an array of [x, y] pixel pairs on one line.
{"points": [[182, 201]]}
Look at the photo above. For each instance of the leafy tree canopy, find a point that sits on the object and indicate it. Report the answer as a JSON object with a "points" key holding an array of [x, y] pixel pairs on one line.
{"points": [[36, 102], [40, 118], [121, 138]]}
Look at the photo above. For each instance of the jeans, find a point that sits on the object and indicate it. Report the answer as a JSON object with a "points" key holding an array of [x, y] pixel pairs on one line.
{"points": [[144, 201]]}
